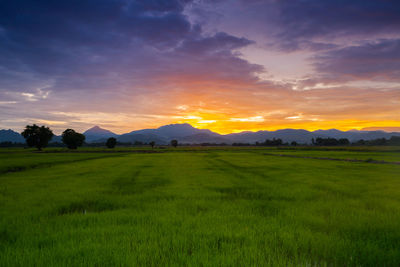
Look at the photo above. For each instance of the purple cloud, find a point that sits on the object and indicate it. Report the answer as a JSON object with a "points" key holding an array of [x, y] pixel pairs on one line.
{"points": [[95, 45], [378, 60]]}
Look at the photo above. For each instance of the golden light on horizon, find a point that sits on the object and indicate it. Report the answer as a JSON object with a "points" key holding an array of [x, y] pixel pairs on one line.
{"points": [[224, 124]]}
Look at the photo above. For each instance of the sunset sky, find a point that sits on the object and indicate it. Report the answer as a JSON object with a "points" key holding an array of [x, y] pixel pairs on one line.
{"points": [[224, 65]]}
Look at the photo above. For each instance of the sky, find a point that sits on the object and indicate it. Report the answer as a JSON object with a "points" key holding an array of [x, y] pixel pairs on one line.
{"points": [[224, 65]]}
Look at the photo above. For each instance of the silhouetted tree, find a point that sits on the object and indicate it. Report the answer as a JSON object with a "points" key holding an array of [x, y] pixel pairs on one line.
{"points": [[273, 142], [152, 143], [240, 144], [72, 139], [394, 141], [10, 144], [174, 143], [293, 143], [37, 136], [111, 142], [378, 142], [326, 141], [343, 141], [360, 142]]}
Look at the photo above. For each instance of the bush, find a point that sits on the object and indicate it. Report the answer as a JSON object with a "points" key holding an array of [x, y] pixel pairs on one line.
{"points": [[111, 142]]}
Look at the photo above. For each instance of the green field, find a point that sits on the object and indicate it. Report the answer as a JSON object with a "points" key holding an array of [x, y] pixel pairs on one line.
{"points": [[199, 207]]}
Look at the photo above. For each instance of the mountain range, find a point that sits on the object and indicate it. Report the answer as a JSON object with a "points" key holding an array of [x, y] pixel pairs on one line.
{"points": [[185, 133]]}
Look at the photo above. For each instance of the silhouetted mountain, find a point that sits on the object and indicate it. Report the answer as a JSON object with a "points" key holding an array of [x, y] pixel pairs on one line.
{"points": [[11, 136], [176, 131], [204, 138], [334, 133], [56, 139], [287, 135], [164, 134], [96, 133], [185, 133], [145, 138]]}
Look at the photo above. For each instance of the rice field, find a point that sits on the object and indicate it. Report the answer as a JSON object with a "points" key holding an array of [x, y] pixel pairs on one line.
{"points": [[199, 207]]}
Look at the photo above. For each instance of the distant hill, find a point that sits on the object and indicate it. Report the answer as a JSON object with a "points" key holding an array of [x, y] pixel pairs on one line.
{"points": [[386, 129], [97, 134], [15, 137], [204, 138], [11, 136], [164, 134], [185, 133], [141, 137]]}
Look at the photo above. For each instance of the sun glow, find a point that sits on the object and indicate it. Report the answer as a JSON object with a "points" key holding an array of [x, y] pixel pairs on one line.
{"points": [[224, 124]]}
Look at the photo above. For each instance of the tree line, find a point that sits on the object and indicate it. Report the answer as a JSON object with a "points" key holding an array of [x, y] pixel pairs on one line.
{"points": [[40, 136], [393, 141]]}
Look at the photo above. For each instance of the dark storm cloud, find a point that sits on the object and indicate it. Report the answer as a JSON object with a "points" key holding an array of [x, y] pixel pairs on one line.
{"points": [[53, 27], [307, 19], [311, 24], [103, 44], [379, 60]]}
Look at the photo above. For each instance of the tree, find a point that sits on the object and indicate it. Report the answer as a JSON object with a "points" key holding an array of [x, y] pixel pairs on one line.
{"points": [[37, 136], [152, 143], [273, 142], [174, 143], [343, 141], [327, 141], [72, 139], [111, 142], [360, 142], [394, 141]]}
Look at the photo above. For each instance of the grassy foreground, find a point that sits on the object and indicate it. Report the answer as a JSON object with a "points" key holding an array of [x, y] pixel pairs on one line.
{"points": [[219, 207]]}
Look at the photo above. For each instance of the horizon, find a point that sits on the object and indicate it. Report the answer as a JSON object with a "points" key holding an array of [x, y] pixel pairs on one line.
{"points": [[229, 66], [393, 130]]}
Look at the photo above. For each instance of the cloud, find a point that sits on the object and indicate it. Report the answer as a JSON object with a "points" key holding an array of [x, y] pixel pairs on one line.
{"points": [[100, 35], [302, 21], [250, 119], [135, 64], [302, 24], [219, 42], [89, 50], [8, 102], [379, 60]]}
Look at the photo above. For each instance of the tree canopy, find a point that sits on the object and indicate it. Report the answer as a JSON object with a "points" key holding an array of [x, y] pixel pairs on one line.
{"points": [[152, 143], [111, 142], [174, 143], [72, 139], [37, 136]]}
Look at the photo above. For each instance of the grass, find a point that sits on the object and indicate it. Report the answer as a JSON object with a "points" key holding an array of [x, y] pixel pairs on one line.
{"points": [[198, 207], [367, 155]]}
